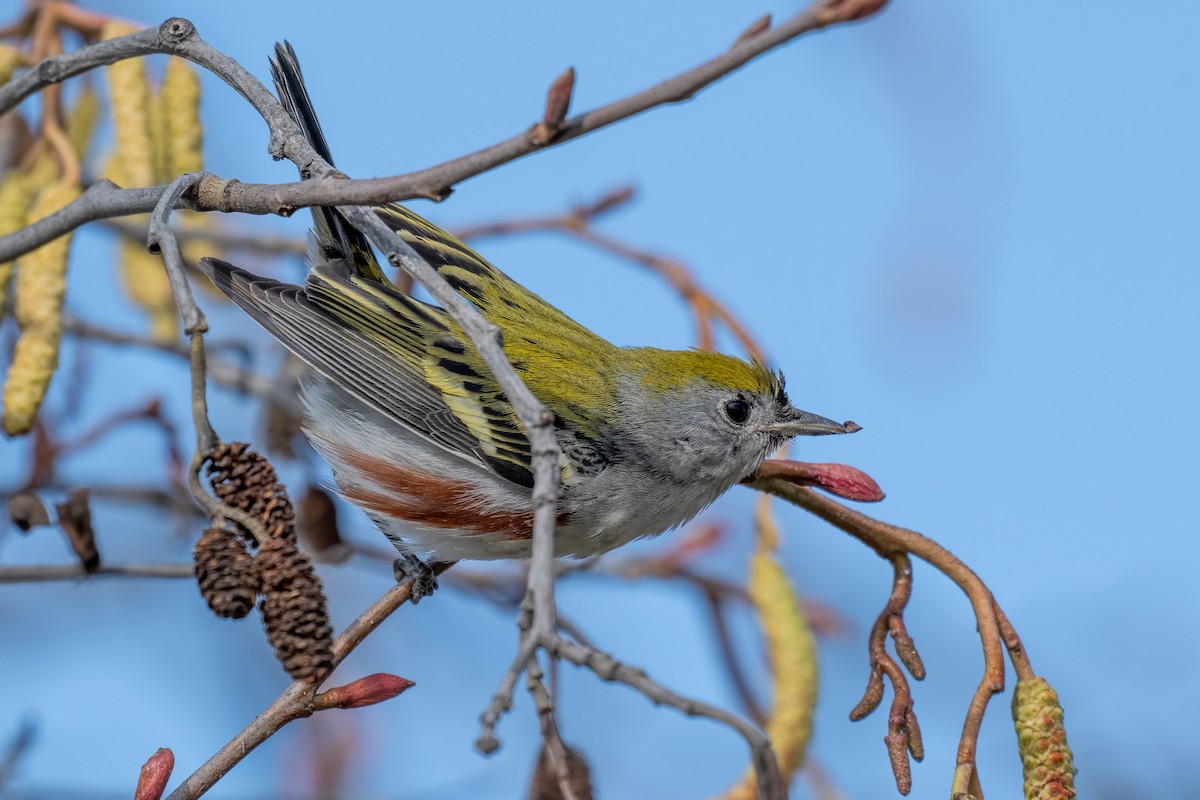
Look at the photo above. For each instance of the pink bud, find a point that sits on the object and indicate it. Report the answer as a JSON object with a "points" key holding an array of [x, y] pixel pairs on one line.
{"points": [[155, 774], [837, 479], [849, 10], [365, 691]]}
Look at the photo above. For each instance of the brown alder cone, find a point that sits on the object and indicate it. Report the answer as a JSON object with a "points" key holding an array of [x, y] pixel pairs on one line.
{"points": [[226, 573], [545, 784], [243, 479], [293, 610]]}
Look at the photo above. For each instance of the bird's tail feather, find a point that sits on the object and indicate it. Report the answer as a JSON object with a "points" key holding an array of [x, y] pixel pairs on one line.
{"points": [[336, 237]]}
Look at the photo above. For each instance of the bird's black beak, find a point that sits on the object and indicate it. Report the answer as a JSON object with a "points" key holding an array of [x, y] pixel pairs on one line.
{"points": [[801, 423]]}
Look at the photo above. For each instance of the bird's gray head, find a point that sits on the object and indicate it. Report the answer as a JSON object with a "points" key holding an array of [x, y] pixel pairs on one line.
{"points": [[709, 417]]}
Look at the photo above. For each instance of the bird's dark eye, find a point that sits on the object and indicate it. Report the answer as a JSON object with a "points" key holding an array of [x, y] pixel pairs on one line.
{"points": [[738, 411]]}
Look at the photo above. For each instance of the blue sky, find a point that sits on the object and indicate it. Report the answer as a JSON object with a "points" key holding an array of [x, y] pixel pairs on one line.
{"points": [[969, 227]]}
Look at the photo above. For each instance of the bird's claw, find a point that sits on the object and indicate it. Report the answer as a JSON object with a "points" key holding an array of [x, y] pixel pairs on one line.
{"points": [[425, 581]]}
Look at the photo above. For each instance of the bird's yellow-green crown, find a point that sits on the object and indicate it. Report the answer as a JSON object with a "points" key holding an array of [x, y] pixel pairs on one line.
{"points": [[670, 370]]}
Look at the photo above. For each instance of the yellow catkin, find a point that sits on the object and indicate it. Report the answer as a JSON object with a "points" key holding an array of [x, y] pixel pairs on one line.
{"points": [[146, 284], [10, 58], [1042, 742], [791, 652], [181, 109], [44, 169], [40, 285], [16, 195], [129, 90], [196, 249], [185, 146], [142, 274], [81, 120], [156, 121]]}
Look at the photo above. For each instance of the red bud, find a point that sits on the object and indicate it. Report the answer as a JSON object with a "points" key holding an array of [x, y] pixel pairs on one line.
{"points": [[849, 10], [558, 103], [365, 691], [155, 774], [837, 479]]}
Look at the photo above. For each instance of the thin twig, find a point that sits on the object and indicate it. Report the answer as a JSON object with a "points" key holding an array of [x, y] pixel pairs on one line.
{"points": [[45, 573], [178, 37], [226, 373], [770, 781], [220, 237], [16, 750], [733, 666], [576, 223], [1017, 653], [133, 495], [887, 539], [161, 239], [552, 741], [296, 702]]}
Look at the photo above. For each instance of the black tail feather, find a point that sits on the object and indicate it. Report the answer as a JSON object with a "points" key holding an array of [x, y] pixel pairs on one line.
{"points": [[335, 236]]}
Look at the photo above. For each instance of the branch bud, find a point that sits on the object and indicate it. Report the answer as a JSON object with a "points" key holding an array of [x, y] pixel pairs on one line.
{"points": [[155, 773], [558, 103], [834, 11], [837, 479], [365, 691]]}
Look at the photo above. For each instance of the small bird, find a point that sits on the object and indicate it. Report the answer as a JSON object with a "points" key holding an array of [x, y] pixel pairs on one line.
{"points": [[421, 436]]}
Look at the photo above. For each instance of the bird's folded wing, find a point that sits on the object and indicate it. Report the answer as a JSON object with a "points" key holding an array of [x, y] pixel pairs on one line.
{"points": [[406, 359]]}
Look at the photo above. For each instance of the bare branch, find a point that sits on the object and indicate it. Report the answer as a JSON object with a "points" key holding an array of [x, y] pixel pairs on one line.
{"points": [[161, 239], [888, 539], [770, 782], [225, 373], [63, 572], [296, 702], [327, 186]]}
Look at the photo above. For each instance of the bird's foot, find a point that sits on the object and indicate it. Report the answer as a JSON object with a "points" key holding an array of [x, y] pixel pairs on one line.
{"points": [[425, 580]]}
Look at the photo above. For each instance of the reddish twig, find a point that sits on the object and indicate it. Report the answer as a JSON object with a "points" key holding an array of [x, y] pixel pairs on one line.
{"points": [[706, 308], [733, 665], [47, 449], [904, 735], [890, 539], [1016, 650]]}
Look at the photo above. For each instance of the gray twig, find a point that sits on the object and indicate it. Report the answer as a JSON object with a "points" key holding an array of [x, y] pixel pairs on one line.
{"points": [[43, 573], [327, 188], [294, 703], [226, 373], [161, 239]]}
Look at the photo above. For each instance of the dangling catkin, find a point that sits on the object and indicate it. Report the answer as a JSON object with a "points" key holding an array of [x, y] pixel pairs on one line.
{"points": [[133, 164], [181, 112], [10, 58], [16, 195], [40, 286], [791, 652], [129, 90], [81, 120]]}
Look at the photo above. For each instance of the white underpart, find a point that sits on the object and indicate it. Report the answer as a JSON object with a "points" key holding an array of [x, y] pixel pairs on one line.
{"points": [[606, 510]]}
